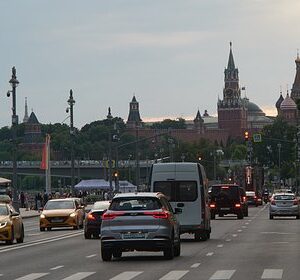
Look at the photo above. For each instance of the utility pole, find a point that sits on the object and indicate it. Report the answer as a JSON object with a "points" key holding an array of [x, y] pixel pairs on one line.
{"points": [[109, 117], [137, 157], [14, 83], [71, 103]]}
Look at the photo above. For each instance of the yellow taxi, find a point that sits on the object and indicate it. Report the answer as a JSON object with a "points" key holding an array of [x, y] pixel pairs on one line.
{"points": [[11, 224], [64, 212]]}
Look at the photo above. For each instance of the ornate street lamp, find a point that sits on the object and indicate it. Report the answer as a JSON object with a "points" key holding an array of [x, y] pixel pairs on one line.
{"points": [[14, 83]]}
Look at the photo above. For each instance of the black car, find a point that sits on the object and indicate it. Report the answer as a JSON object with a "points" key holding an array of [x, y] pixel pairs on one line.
{"points": [[228, 199], [93, 220]]}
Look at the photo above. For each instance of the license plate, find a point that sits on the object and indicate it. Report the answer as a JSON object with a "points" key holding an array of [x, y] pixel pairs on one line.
{"points": [[225, 208], [134, 235], [57, 220]]}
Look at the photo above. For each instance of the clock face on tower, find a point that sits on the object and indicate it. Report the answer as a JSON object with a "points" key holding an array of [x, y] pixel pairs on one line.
{"points": [[229, 93]]}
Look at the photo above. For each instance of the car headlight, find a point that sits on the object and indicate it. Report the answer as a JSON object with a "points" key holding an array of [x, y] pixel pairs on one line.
{"points": [[72, 215], [3, 225], [42, 216]]}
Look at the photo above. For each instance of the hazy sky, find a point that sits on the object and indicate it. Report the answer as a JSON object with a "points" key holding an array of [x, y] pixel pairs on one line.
{"points": [[170, 53]]}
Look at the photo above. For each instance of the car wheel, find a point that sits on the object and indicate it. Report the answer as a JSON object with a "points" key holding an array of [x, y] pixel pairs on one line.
{"points": [[11, 241], [297, 217], [106, 254], [240, 216], [221, 215], [271, 217], [197, 236], [87, 235], [21, 238], [169, 253], [49, 228], [42, 229], [177, 249], [117, 254]]}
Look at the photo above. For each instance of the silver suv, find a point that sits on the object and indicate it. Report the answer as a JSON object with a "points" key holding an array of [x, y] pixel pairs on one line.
{"points": [[141, 222]]}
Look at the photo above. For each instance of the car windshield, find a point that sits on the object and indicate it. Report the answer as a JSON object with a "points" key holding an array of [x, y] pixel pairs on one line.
{"points": [[284, 197], [100, 205], [140, 203], [3, 210], [230, 192], [60, 204]]}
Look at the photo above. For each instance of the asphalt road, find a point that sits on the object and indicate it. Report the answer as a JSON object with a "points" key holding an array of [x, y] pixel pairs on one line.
{"points": [[248, 249]]}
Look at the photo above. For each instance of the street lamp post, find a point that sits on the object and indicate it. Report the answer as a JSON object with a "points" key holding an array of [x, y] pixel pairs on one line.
{"points": [[14, 83], [71, 103]]}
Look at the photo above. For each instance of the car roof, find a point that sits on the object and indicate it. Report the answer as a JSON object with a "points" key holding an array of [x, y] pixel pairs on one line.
{"points": [[65, 199], [250, 192], [284, 193], [225, 185], [3, 203], [138, 194]]}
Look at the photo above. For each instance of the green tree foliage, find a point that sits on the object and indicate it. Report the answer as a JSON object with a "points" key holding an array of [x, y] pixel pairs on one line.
{"points": [[168, 123]]}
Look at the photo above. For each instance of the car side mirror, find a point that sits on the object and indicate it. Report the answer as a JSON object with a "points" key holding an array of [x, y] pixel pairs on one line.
{"points": [[14, 214], [177, 210]]}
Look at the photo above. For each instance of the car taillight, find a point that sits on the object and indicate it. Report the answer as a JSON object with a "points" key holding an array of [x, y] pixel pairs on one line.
{"points": [[111, 215], [91, 217], [273, 202], [255, 197], [212, 205], [295, 202], [244, 198], [237, 205], [158, 215]]}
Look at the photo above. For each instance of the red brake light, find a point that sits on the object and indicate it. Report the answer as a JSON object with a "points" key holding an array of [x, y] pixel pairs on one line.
{"points": [[224, 187], [273, 202], [212, 205], [237, 205], [111, 215], [158, 215], [295, 202], [244, 198], [90, 216]]}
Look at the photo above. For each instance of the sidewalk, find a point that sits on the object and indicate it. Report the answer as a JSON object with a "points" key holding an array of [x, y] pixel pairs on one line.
{"points": [[29, 213]]}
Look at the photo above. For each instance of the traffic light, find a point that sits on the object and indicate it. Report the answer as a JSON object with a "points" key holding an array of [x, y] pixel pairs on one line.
{"points": [[246, 135]]}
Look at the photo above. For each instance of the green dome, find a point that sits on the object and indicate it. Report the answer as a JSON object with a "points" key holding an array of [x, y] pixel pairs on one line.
{"points": [[252, 107]]}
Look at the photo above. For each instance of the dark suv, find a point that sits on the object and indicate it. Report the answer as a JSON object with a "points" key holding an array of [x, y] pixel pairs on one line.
{"points": [[228, 199]]}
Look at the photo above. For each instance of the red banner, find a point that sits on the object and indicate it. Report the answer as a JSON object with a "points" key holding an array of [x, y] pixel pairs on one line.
{"points": [[45, 154]]}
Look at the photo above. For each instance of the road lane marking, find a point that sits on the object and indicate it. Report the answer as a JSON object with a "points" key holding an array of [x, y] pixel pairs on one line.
{"points": [[91, 256], [126, 275], [234, 235], [272, 274], [32, 276], [246, 223], [30, 244], [1, 275], [244, 227], [57, 267], [281, 242], [228, 240], [174, 275], [79, 276], [220, 245], [222, 275], [240, 230], [33, 234], [195, 265], [209, 254]]}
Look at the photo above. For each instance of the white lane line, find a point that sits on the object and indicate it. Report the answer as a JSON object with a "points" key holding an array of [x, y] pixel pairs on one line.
{"points": [[174, 275], [32, 276], [33, 234], [220, 245], [209, 254], [281, 242], [244, 227], [234, 235], [279, 233], [195, 265], [222, 275], [240, 230], [272, 274], [126, 275], [1, 275], [246, 223], [228, 240], [79, 276], [57, 267], [91, 256], [38, 242]]}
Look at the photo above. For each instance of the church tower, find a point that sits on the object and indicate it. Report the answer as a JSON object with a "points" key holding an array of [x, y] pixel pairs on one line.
{"points": [[295, 93], [199, 123], [232, 110], [134, 120]]}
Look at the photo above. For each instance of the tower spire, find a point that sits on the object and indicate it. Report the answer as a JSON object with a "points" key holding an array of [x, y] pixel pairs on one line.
{"points": [[230, 65], [25, 119]]}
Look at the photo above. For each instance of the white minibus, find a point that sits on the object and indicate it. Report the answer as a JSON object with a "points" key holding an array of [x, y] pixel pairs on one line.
{"points": [[185, 185]]}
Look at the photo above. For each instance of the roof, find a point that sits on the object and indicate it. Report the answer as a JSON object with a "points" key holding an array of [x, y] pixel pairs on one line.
{"points": [[288, 104], [230, 65], [93, 184], [252, 107], [33, 119], [279, 101], [139, 194]]}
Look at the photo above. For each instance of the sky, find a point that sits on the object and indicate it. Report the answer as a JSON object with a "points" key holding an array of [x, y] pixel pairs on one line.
{"points": [[170, 54]]}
